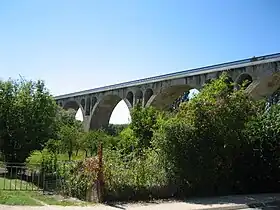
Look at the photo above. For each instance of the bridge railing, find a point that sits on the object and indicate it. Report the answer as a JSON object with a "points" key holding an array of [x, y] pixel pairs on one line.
{"points": [[171, 75]]}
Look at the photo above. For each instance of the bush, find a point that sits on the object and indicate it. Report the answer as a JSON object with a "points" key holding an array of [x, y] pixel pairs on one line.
{"points": [[42, 161], [79, 177], [218, 143], [132, 177]]}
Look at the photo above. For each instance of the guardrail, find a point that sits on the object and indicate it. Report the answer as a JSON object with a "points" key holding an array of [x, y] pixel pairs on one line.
{"points": [[191, 72]]}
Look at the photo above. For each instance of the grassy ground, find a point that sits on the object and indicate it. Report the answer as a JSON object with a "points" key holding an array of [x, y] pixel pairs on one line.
{"points": [[19, 193]]}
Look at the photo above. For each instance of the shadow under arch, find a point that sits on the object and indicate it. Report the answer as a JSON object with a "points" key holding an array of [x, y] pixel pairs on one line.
{"points": [[167, 96], [147, 95], [74, 105], [243, 80], [103, 110], [129, 97]]}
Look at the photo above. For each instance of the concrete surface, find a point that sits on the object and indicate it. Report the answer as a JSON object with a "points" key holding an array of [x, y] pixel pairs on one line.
{"points": [[259, 201]]}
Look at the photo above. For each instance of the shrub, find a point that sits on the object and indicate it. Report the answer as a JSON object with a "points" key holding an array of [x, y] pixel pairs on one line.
{"points": [[133, 177], [42, 161], [79, 177]]}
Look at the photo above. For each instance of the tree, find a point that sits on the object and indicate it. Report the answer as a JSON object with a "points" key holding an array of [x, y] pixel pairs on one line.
{"points": [[202, 142], [263, 134], [67, 117], [90, 141], [27, 118], [69, 136], [127, 141], [144, 121], [115, 129]]}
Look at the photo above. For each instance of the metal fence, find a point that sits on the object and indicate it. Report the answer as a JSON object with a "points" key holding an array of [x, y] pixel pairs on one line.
{"points": [[19, 177]]}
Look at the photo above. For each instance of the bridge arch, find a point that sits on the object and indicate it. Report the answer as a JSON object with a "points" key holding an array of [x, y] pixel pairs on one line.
{"points": [[103, 109], [138, 96], [243, 79], [148, 95], [129, 97], [75, 105], [166, 97], [90, 102]]}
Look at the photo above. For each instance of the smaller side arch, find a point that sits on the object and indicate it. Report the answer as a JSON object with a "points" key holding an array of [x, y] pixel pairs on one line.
{"points": [[129, 97], [88, 105], [83, 103], [138, 96], [147, 95]]}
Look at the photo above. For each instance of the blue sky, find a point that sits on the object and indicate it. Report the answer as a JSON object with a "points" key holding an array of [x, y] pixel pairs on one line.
{"points": [[81, 44]]}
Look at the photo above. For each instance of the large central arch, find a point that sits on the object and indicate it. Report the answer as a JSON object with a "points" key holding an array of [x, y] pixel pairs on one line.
{"points": [[103, 109], [167, 96]]}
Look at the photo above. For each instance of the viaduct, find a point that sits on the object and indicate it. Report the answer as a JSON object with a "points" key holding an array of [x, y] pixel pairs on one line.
{"points": [[98, 104]]}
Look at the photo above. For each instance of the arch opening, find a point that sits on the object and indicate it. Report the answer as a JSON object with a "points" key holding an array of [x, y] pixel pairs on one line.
{"points": [[186, 96], [138, 97], [120, 114], [192, 93], [148, 94], [129, 97], [170, 97], [244, 80], [103, 112], [73, 106], [83, 103], [88, 105], [79, 115]]}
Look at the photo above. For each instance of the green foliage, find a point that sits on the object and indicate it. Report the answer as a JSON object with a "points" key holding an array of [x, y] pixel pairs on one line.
{"points": [[53, 146], [127, 141], [67, 117], [143, 123], [207, 145], [133, 177], [263, 134], [115, 129], [90, 141], [42, 161], [27, 118], [69, 136], [79, 176], [219, 142]]}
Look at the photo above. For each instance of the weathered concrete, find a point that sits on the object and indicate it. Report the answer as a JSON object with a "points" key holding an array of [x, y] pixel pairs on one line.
{"points": [[97, 104]]}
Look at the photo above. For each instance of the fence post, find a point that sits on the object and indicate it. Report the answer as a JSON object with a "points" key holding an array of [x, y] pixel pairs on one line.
{"points": [[100, 176]]}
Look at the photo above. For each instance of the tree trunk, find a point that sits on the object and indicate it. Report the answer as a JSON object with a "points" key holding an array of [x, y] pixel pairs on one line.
{"points": [[86, 153], [69, 155]]}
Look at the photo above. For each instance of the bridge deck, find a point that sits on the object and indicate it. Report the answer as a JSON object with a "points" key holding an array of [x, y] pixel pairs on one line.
{"points": [[175, 75]]}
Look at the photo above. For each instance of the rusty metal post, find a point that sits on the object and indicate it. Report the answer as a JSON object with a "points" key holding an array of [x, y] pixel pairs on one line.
{"points": [[100, 176]]}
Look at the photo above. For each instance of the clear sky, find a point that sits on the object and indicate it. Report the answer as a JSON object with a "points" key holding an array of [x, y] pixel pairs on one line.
{"points": [[82, 44]]}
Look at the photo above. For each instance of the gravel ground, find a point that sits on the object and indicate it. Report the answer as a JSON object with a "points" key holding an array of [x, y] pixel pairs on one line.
{"points": [[226, 203], [163, 206]]}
